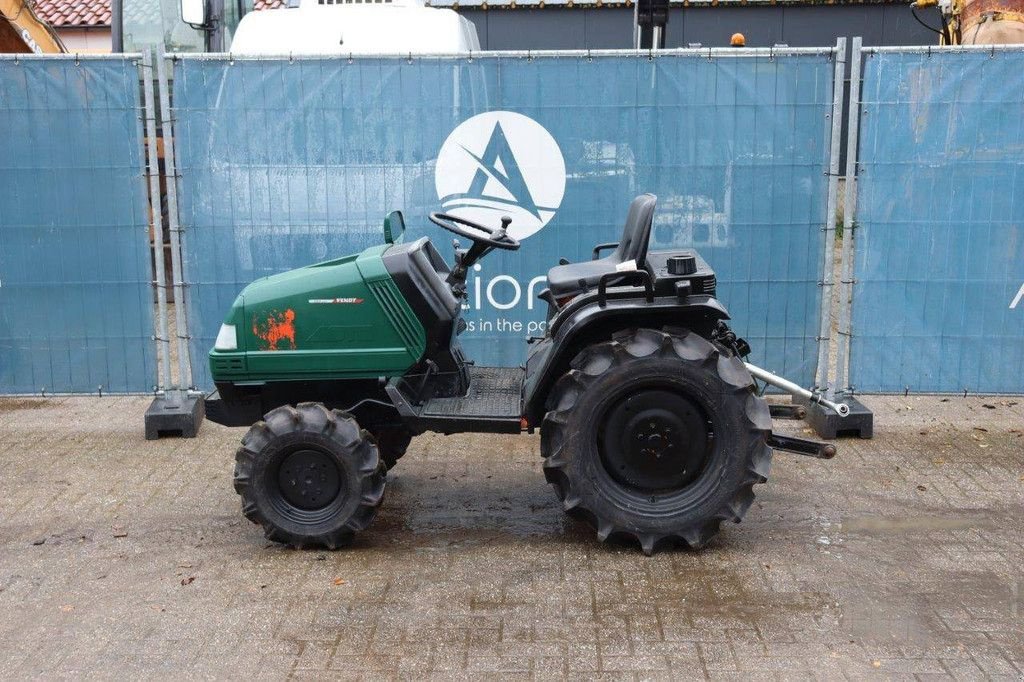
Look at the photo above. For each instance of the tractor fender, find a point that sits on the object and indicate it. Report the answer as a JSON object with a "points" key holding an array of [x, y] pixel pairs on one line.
{"points": [[579, 325]]}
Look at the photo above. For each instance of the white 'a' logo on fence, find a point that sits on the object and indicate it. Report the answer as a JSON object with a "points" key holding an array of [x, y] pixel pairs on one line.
{"points": [[1017, 298], [501, 163]]}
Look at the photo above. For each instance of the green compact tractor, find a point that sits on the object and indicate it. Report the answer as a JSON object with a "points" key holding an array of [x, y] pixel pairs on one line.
{"points": [[652, 427]]}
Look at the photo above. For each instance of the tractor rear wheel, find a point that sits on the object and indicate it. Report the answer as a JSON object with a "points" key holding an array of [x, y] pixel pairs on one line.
{"points": [[310, 476], [656, 436]]}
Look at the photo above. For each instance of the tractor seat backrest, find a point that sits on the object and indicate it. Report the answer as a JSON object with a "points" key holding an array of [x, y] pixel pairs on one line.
{"points": [[637, 232], [571, 279]]}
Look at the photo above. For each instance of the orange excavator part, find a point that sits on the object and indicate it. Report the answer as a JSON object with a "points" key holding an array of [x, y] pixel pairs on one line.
{"points": [[22, 31], [990, 22]]}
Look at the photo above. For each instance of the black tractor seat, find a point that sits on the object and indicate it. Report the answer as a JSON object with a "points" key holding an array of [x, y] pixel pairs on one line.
{"points": [[572, 279]]}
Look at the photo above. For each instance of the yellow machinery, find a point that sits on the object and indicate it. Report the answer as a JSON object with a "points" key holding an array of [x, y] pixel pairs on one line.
{"points": [[21, 30], [976, 22]]}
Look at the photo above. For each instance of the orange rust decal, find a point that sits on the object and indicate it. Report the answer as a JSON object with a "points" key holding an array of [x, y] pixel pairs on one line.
{"points": [[275, 328]]}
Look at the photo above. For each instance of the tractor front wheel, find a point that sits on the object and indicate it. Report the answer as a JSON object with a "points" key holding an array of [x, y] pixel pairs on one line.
{"points": [[656, 436], [311, 477]]}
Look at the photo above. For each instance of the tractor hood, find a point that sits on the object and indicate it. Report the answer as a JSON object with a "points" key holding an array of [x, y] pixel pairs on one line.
{"points": [[343, 318]]}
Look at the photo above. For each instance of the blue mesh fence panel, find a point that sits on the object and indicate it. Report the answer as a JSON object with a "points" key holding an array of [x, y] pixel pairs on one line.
{"points": [[286, 163], [76, 308], [939, 267]]}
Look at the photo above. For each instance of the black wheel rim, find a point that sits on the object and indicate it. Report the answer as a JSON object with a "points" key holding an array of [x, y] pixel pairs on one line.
{"points": [[309, 479], [654, 440], [308, 484]]}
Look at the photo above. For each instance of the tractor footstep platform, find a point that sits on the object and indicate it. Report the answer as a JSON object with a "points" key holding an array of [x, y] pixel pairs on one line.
{"points": [[493, 403]]}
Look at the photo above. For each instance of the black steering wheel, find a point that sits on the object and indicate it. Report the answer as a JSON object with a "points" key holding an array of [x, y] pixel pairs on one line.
{"points": [[477, 233]]}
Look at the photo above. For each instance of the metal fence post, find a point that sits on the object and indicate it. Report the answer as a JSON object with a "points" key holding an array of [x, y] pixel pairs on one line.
{"points": [[178, 411], [858, 420], [849, 225], [181, 305], [822, 373], [161, 336]]}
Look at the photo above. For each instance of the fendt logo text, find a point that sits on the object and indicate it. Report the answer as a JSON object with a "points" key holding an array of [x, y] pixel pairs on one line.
{"points": [[501, 163]]}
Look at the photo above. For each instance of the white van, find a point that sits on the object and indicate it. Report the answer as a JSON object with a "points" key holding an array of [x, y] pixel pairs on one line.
{"points": [[342, 27]]}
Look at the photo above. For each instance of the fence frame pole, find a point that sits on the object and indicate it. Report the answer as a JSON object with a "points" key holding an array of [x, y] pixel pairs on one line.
{"points": [[858, 419], [822, 371], [180, 303], [161, 335], [846, 281], [179, 411]]}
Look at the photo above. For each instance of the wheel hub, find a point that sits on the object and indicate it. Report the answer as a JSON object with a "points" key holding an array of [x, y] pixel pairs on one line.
{"points": [[654, 440], [309, 479]]}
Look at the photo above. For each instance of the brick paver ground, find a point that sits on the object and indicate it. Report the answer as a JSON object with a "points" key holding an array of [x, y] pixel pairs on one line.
{"points": [[123, 558]]}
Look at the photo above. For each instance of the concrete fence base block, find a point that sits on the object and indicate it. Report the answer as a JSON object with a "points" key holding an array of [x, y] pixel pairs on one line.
{"points": [[827, 424], [175, 414]]}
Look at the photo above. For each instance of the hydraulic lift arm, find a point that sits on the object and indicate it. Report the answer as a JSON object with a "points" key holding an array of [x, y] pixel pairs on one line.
{"points": [[794, 444]]}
